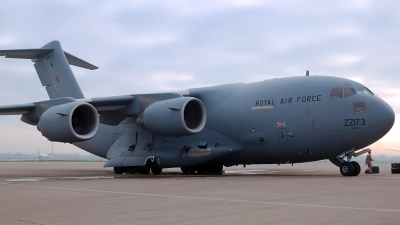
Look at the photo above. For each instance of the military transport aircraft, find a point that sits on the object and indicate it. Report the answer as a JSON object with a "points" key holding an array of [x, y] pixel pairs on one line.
{"points": [[42, 156], [286, 120]]}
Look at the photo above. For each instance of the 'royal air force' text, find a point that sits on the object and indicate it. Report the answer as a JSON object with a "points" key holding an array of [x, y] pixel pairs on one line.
{"points": [[300, 99]]}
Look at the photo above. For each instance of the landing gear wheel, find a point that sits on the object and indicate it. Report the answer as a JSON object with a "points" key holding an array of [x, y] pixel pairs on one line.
{"points": [[218, 169], [357, 168], [202, 170], [185, 170], [156, 170], [119, 170], [210, 170], [347, 169], [132, 169], [145, 170]]}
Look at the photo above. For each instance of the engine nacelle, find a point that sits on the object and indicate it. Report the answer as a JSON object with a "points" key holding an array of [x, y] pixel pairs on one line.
{"points": [[174, 117], [70, 122]]}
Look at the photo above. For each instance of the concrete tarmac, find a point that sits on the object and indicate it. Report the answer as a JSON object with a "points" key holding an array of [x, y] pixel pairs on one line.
{"points": [[87, 193]]}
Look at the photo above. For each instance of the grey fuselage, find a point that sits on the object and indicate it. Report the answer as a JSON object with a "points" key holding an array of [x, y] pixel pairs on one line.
{"points": [[285, 120]]}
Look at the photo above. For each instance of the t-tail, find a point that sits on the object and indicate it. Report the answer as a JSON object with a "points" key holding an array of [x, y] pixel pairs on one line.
{"points": [[52, 67]]}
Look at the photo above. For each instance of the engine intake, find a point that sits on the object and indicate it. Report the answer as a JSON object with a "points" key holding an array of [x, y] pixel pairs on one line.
{"points": [[70, 122], [174, 117]]}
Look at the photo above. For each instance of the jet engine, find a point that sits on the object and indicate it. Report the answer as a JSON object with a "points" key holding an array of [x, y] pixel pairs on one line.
{"points": [[174, 117], [70, 122]]}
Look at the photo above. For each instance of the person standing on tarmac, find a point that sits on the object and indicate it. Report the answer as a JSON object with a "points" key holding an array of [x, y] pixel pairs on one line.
{"points": [[368, 162]]}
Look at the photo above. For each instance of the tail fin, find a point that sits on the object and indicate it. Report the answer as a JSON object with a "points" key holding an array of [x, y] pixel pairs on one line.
{"points": [[51, 64]]}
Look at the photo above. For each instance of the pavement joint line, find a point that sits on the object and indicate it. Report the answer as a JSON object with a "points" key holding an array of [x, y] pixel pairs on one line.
{"points": [[216, 199]]}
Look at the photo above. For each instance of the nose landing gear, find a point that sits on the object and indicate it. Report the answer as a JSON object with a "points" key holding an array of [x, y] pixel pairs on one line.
{"points": [[347, 167], [350, 168]]}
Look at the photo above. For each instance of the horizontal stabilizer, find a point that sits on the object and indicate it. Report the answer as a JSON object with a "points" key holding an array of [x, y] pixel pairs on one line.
{"points": [[25, 53], [40, 53], [17, 109], [75, 61]]}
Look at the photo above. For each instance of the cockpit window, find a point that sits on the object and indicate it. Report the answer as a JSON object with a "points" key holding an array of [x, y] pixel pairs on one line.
{"points": [[336, 93], [359, 106], [340, 92], [372, 93], [348, 91], [364, 90]]}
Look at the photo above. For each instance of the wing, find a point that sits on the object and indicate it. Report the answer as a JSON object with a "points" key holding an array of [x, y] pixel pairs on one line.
{"points": [[112, 110], [17, 109]]}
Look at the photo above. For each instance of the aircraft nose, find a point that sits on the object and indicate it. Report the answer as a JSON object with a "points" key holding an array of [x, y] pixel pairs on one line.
{"points": [[382, 116]]}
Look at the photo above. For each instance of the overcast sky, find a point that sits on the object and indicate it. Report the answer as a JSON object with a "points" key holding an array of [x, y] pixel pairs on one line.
{"points": [[152, 46]]}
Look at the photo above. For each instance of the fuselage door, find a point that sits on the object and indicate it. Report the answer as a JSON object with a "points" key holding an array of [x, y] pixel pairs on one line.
{"points": [[336, 136], [282, 137]]}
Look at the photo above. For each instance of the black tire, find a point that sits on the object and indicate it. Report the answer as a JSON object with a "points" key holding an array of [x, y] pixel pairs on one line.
{"points": [[132, 169], [185, 170], [357, 168], [145, 170], [156, 170], [119, 170], [218, 169], [202, 170], [192, 170], [210, 170], [347, 169]]}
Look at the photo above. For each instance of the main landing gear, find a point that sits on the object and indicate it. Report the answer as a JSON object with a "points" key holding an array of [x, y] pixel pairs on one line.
{"points": [[138, 169], [150, 165], [119, 170], [203, 169], [156, 170]]}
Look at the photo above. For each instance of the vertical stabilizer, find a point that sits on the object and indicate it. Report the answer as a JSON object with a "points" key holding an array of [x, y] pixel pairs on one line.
{"points": [[52, 67], [56, 74]]}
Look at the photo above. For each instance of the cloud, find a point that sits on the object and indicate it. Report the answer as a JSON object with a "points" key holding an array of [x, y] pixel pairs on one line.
{"points": [[7, 40], [342, 60]]}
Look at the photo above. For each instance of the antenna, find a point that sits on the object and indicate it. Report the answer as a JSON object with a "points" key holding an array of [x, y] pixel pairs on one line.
{"points": [[307, 73]]}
